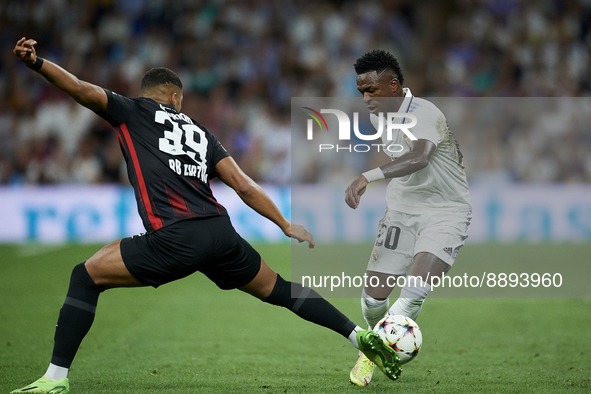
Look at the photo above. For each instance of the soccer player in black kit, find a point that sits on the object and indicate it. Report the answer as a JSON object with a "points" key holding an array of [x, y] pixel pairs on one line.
{"points": [[170, 160]]}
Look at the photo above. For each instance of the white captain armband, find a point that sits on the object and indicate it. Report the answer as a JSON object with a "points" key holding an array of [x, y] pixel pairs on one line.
{"points": [[374, 175]]}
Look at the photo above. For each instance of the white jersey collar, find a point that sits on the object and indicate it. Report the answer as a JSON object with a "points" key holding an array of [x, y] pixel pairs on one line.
{"points": [[407, 99]]}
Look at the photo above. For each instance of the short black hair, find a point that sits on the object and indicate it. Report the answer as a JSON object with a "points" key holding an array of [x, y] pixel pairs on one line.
{"points": [[160, 76], [378, 60]]}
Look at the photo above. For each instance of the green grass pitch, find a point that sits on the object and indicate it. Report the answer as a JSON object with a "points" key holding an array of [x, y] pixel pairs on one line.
{"points": [[190, 337]]}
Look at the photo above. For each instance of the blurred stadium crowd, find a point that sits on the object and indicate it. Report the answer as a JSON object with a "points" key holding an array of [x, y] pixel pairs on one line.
{"points": [[242, 60]]}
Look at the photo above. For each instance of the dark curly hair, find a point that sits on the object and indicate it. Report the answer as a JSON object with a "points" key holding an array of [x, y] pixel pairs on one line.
{"points": [[378, 60], [160, 76]]}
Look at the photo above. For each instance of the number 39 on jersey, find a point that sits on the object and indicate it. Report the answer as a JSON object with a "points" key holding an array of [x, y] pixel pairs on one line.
{"points": [[194, 146]]}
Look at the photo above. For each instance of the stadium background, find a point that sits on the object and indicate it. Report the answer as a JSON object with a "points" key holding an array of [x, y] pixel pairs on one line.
{"points": [[62, 180], [242, 61]]}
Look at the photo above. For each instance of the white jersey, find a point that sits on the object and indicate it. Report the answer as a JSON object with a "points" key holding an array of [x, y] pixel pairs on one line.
{"points": [[442, 185]]}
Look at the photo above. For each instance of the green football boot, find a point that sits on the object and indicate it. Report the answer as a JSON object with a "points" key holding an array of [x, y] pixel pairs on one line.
{"points": [[381, 354], [45, 386]]}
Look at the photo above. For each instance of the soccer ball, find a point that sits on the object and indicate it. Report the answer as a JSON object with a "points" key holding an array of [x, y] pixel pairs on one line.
{"points": [[402, 334]]}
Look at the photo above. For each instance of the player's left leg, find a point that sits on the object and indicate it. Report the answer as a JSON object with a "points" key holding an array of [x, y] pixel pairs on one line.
{"points": [[440, 235], [412, 296], [243, 268], [309, 305], [271, 288]]}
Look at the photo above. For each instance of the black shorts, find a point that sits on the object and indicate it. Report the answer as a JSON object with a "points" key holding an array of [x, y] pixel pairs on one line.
{"points": [[209, 245]]}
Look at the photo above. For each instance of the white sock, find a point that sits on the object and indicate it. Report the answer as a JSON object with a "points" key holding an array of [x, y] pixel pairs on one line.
{"points": [[56, 373], [373, 310], [411, 298], [353, 337]]}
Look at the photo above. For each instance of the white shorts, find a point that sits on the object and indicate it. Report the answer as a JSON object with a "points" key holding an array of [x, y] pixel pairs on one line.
{"points": [[401, 236]]}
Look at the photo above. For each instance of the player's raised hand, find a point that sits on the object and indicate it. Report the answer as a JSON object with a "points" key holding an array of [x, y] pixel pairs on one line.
{"points": [[299, 232], [355, 191], [25, 51]]}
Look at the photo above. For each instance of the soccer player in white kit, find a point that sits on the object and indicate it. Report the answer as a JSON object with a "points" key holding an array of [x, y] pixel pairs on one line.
{"points": [[428, 202]]}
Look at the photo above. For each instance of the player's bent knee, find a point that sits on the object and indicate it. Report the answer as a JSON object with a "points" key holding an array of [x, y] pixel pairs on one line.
{"points": [[81, 279], [379, 285], [378, 293]]}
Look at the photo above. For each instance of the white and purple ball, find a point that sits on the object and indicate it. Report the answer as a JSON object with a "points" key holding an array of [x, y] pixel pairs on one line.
{"points": [[402, 334]]}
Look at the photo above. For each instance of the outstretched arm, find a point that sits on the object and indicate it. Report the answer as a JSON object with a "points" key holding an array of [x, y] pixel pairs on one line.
{"points": [[416, 159], [255, 197], [91, 96]]}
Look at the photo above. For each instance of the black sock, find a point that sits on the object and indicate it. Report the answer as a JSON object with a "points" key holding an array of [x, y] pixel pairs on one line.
{"points": [[309, 305], [76, 316]]}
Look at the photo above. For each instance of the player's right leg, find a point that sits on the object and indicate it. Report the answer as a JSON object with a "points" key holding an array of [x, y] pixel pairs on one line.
{"points": [[374, 306], [390, 257], [102, 271], [374, 298]]}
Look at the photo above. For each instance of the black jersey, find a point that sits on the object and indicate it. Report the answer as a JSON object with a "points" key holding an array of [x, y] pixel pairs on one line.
{"points": [[170, 160]]}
